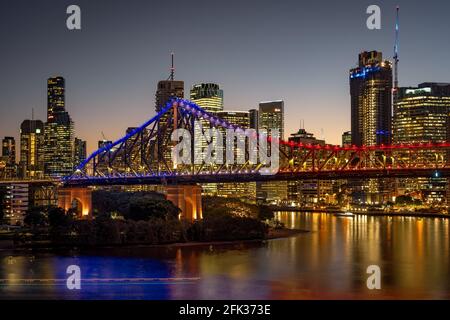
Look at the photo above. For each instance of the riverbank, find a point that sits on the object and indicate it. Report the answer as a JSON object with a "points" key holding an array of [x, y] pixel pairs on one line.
{"points": [[404, 214], [365, 213], [46, 245]]}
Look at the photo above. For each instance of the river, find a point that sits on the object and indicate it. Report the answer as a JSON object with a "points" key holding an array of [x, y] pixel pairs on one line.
{"points": [[329, 262]]}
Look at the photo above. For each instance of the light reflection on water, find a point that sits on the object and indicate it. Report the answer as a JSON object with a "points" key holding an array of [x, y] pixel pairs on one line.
{"points": [[330, 261]]}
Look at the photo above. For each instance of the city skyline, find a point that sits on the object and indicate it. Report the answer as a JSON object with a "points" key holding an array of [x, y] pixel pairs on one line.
{"points": [[91, 98], [243, 150]]}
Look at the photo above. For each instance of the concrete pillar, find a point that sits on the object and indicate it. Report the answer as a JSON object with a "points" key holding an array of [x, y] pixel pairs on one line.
{"points": [[83, 196], [188, 198]]}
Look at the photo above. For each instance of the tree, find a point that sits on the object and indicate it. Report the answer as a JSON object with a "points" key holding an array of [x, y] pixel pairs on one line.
{"points": [[218, 206], [145, 208], [35, 217], [265, 213], [2, 197], [57, 217], [105, 202], [404, 200]]}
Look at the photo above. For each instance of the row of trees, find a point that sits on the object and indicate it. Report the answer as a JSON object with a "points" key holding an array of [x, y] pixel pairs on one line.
{"points": [[2, 206], [147, 218]]}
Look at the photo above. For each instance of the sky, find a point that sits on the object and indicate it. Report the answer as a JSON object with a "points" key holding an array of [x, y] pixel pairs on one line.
{"points": [[256, 50]]}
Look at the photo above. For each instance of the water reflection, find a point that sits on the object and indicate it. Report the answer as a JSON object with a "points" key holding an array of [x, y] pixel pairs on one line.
{"points": [[330, 261]]}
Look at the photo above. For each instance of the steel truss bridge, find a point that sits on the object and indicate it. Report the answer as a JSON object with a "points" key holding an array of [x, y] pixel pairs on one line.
{"points": [[143, 156]]}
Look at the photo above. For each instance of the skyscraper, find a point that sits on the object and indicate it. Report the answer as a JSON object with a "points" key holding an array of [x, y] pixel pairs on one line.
{"points": [[80, 152], [236, 189], [58, 132], [254, 118], [166, 90], [8, 167], [209, 97], [32, 148], [421, 113], [346, 138], [103, 143], [308, 192], [9, 150], [271, 116], [420, 116], [371, 115], [371, 105], [55, 96]]}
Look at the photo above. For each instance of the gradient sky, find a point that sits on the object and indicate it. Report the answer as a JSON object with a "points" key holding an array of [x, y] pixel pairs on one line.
{"points": [[298, 51]]}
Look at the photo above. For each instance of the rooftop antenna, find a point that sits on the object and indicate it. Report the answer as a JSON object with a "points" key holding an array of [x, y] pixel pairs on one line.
{"points": [[172, 68], [32, 114], [395, 88], [397, 26]]}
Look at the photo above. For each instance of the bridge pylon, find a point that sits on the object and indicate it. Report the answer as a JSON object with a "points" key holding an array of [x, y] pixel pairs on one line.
{"points": [[188, 198], [78, 198]]}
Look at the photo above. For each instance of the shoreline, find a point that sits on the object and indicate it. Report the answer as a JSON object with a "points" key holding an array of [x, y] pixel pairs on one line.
{"points": [[272, 235], [367, 213]]}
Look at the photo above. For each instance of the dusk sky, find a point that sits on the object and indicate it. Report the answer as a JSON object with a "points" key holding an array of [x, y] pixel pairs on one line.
{"points": [[298, 51]]}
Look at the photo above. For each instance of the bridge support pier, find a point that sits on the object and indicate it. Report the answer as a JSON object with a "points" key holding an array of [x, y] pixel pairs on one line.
{"points": [[188, 198], [79, 199]]}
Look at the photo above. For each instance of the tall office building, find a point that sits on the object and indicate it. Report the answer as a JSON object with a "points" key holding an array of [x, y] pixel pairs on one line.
{"points": [[15, 202], [9, 150], [308, 192], [239, 118], [80, 152], [103, 143], [166, 90], [346, 138], [58, 132], [245, 190], [421, 113], [8, 167], [32, 148], [209, 97], [371, 116], [55, 96], [420, 116], [371, 105], [271, 116], [254, 118]]}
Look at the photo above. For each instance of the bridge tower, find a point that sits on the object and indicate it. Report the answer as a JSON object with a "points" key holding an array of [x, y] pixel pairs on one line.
{"points": [[77, 198], [188, 198]]}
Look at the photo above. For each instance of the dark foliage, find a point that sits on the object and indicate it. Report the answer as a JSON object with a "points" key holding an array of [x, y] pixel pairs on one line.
{"points": [[2, 197], [226, 228], [216, 206], [36, 217], [134, 205]]}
